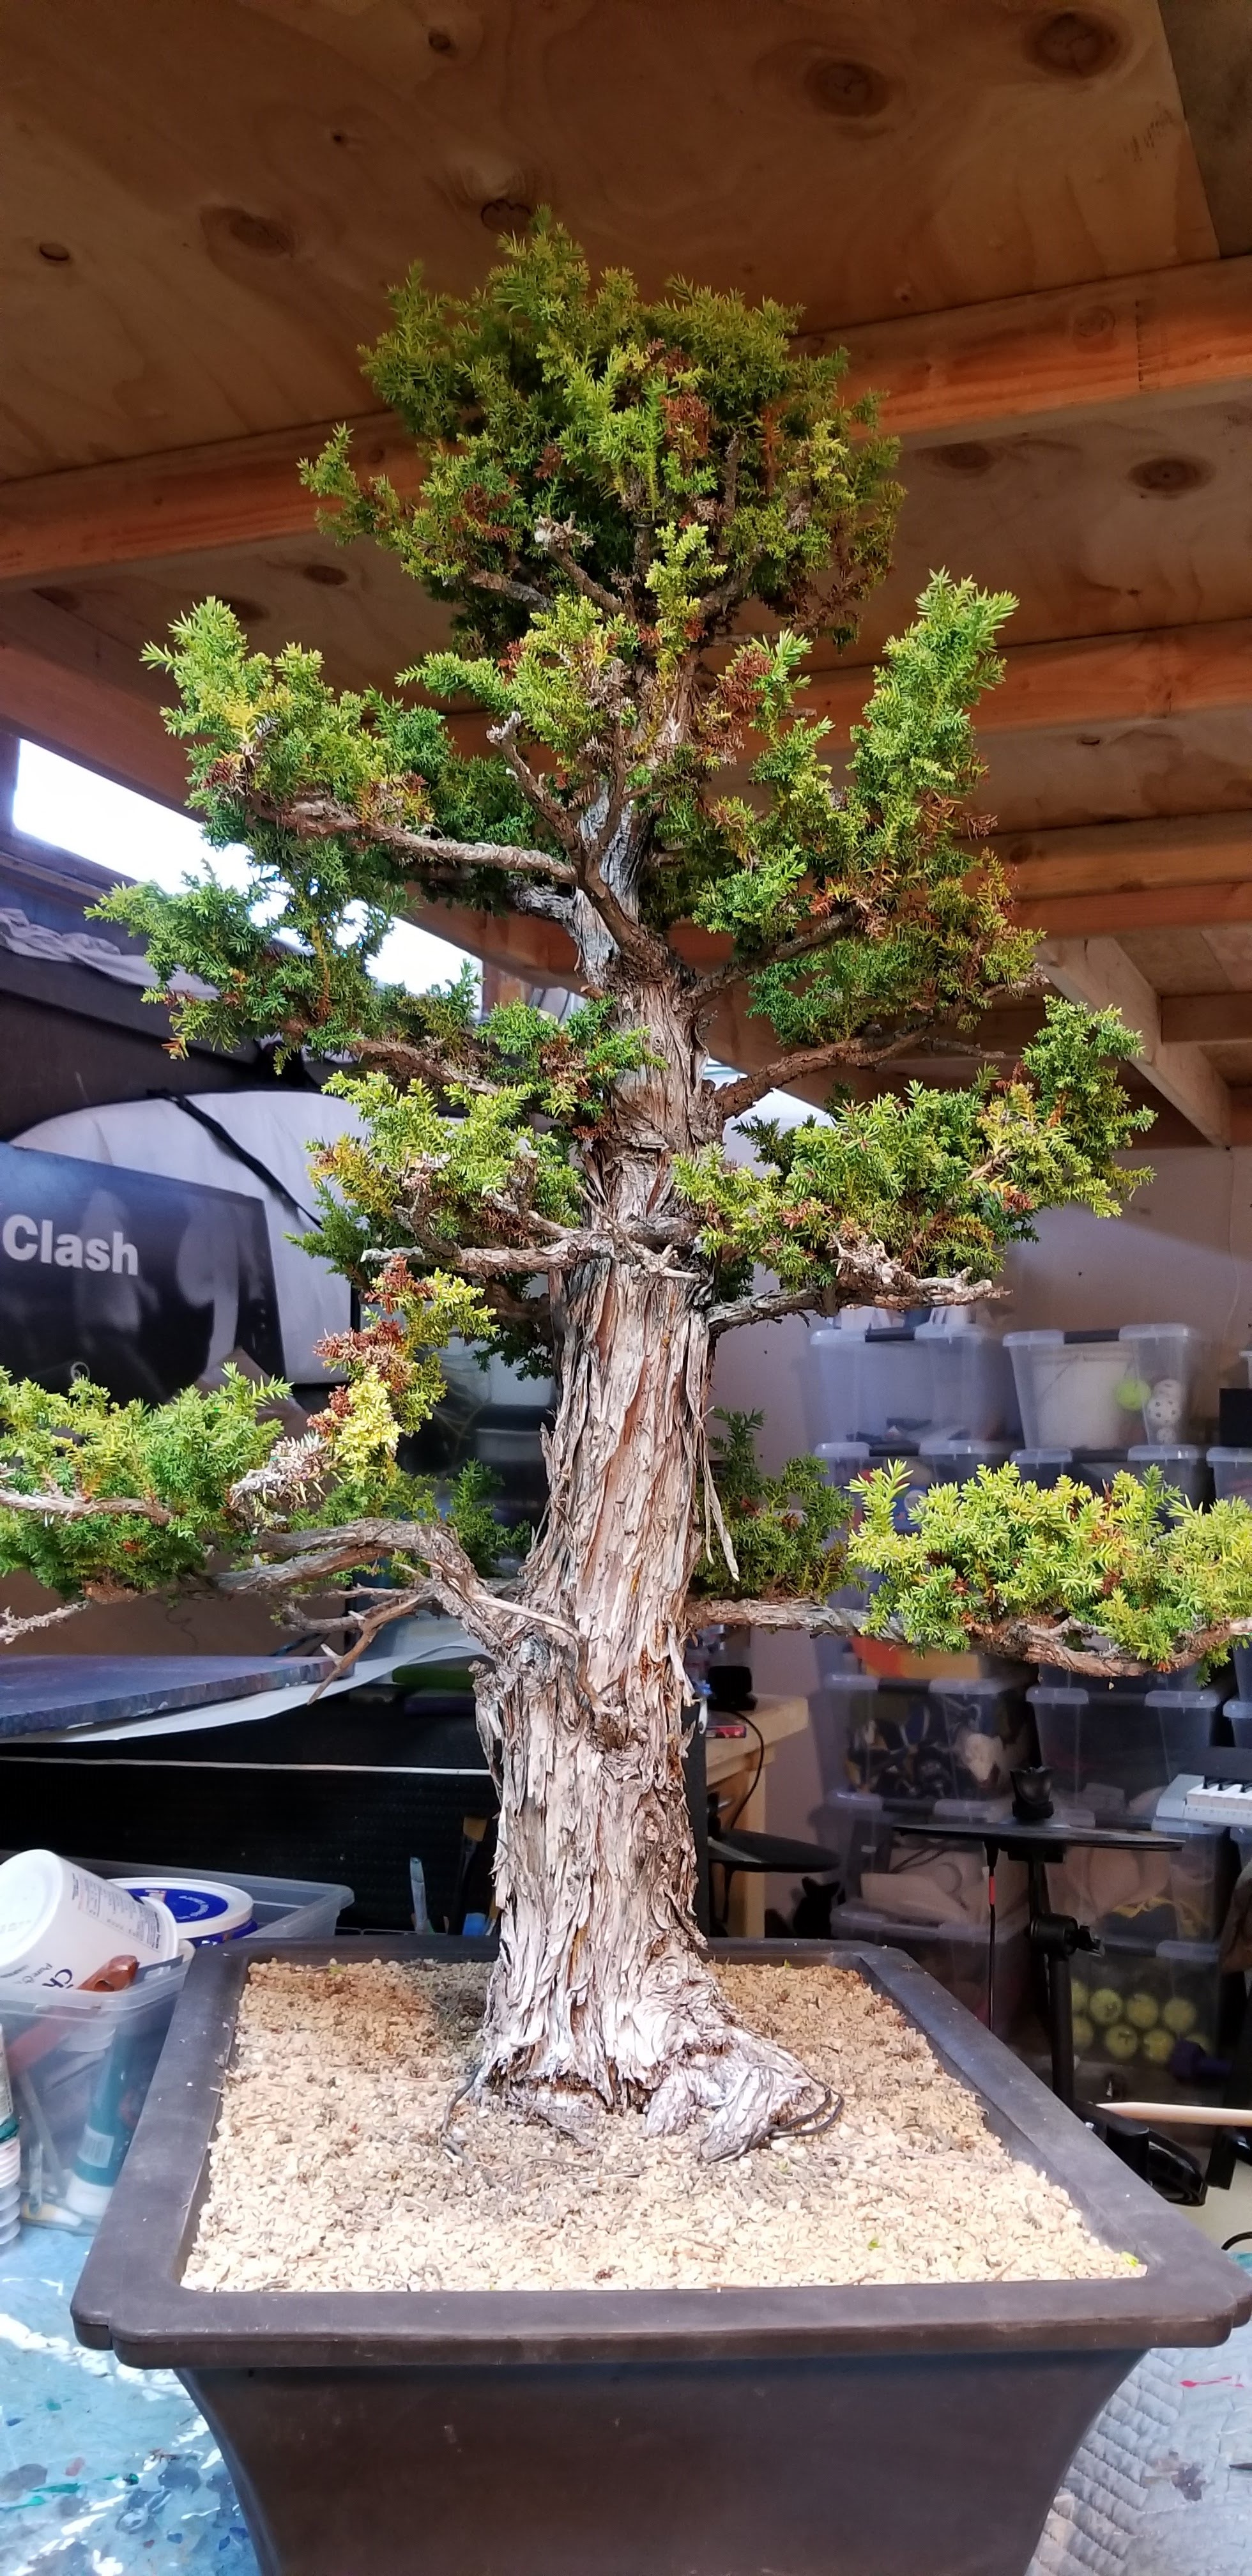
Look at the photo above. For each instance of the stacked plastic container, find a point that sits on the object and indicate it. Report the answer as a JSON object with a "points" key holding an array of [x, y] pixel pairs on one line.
{"points": [[1152, 2000], [1095, 1403], [892, 1751], [904, 1388]]}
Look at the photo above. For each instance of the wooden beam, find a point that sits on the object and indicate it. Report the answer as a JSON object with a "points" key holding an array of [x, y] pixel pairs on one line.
{"points": [[980, 368], [1185, 332], [1099, 973], [1189, 871], [1206, 1017], [240, 491], [1087, 680], [88, 718], [1090, 916]]}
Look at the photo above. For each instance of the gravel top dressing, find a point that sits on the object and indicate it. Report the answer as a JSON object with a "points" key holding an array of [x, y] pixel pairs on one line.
{"points": [[330, 2169]]}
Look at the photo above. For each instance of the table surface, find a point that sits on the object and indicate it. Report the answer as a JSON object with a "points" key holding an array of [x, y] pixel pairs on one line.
{"points": [[724, 1755]]}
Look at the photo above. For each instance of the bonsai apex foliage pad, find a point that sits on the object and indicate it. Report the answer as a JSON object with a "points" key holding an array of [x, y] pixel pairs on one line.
{"points": [[873, 2430]]}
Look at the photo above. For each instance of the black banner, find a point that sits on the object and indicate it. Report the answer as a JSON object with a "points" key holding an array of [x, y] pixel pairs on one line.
{"points": [[139, 1283]]}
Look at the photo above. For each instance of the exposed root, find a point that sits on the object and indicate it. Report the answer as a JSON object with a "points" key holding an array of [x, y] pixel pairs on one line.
{"points": [[742, 2093], [738, 2089]]}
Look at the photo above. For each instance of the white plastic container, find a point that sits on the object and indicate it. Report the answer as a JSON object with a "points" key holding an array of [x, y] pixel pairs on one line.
{"points": [[205, 1910], [60, 1924], [81, 2062], [914, 1742], [844, 1459], [1105, 1390], [895, 1385]]}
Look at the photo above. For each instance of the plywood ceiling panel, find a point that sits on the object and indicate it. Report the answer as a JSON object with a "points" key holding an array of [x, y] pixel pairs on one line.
{"points": [[205, 204], [1138, 518], [1106, 773]]}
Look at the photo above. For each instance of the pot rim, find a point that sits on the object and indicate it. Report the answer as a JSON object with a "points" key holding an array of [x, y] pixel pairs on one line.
{"points": [[130, 2297]]}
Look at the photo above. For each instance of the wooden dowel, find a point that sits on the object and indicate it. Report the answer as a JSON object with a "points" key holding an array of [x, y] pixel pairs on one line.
{"points": [[1195, 2115]]}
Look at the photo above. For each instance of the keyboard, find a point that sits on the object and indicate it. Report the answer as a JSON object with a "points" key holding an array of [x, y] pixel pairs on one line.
{"points": [[1217, 1802]]}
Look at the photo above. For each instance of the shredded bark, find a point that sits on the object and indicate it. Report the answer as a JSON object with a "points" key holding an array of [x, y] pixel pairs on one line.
{"points": [[337, 2165]]}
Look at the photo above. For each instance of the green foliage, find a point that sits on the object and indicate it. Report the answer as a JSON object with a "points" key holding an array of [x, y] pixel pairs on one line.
{"points": [[781, 1527], [221, 1471], [185, 1455], [944, 1181], [881, 868], [417, 1180], [472, 1516], [1138, 1564], [673, 436]]}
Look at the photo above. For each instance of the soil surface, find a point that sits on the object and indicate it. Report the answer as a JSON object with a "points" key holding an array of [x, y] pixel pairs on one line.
{"points": [[338, 2166]]}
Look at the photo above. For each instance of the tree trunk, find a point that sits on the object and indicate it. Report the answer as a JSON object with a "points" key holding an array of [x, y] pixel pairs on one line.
{"points": [[602, 1991]]}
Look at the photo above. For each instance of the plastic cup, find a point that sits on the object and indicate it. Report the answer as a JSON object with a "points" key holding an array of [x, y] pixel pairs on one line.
{"points": [[60, 1924]]}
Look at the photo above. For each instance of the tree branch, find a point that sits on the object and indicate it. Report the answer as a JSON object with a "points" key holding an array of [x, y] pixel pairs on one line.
{"points": [[80, 1507], [1066, 1644], [16, 1623], [734, 1098], [639, 947], [787, 952], [499, 1261], [414, 1063], [765, 1309], [556, 539], [324, 818], [817, 1618]]}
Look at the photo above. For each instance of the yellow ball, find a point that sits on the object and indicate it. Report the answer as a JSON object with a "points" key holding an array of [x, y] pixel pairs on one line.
{"points": [[1122, 2042], [1105, 2006], [1178, 2015], [1084, 2033], [1158, 2046], [1143, 2011]]}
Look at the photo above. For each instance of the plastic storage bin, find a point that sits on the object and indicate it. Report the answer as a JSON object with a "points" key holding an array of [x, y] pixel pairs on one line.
{"points": [[1181, 1465], [80, 2063], [954, 1954], [1232, 1474], [1150, 1896], [844, 1459], [1113, 1751], [1104, 1391], [1153, 2012], [956, 1462], [909, 1742], [895, 1385], [1239, 1711], [908, 1878]]}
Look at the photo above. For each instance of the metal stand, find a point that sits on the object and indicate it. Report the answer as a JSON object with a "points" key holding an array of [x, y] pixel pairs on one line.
{"points": [[1055, 1938]]}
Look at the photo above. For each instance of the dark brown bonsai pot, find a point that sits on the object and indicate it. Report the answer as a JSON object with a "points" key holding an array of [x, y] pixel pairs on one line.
{"points": [[821, 2432]]}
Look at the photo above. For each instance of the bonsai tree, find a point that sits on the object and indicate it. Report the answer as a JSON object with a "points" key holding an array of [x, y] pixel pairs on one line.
{"points": [[641, 517]]}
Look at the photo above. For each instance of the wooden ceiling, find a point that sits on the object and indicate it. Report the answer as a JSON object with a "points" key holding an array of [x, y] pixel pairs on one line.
{"points": [[1030, 226]]}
